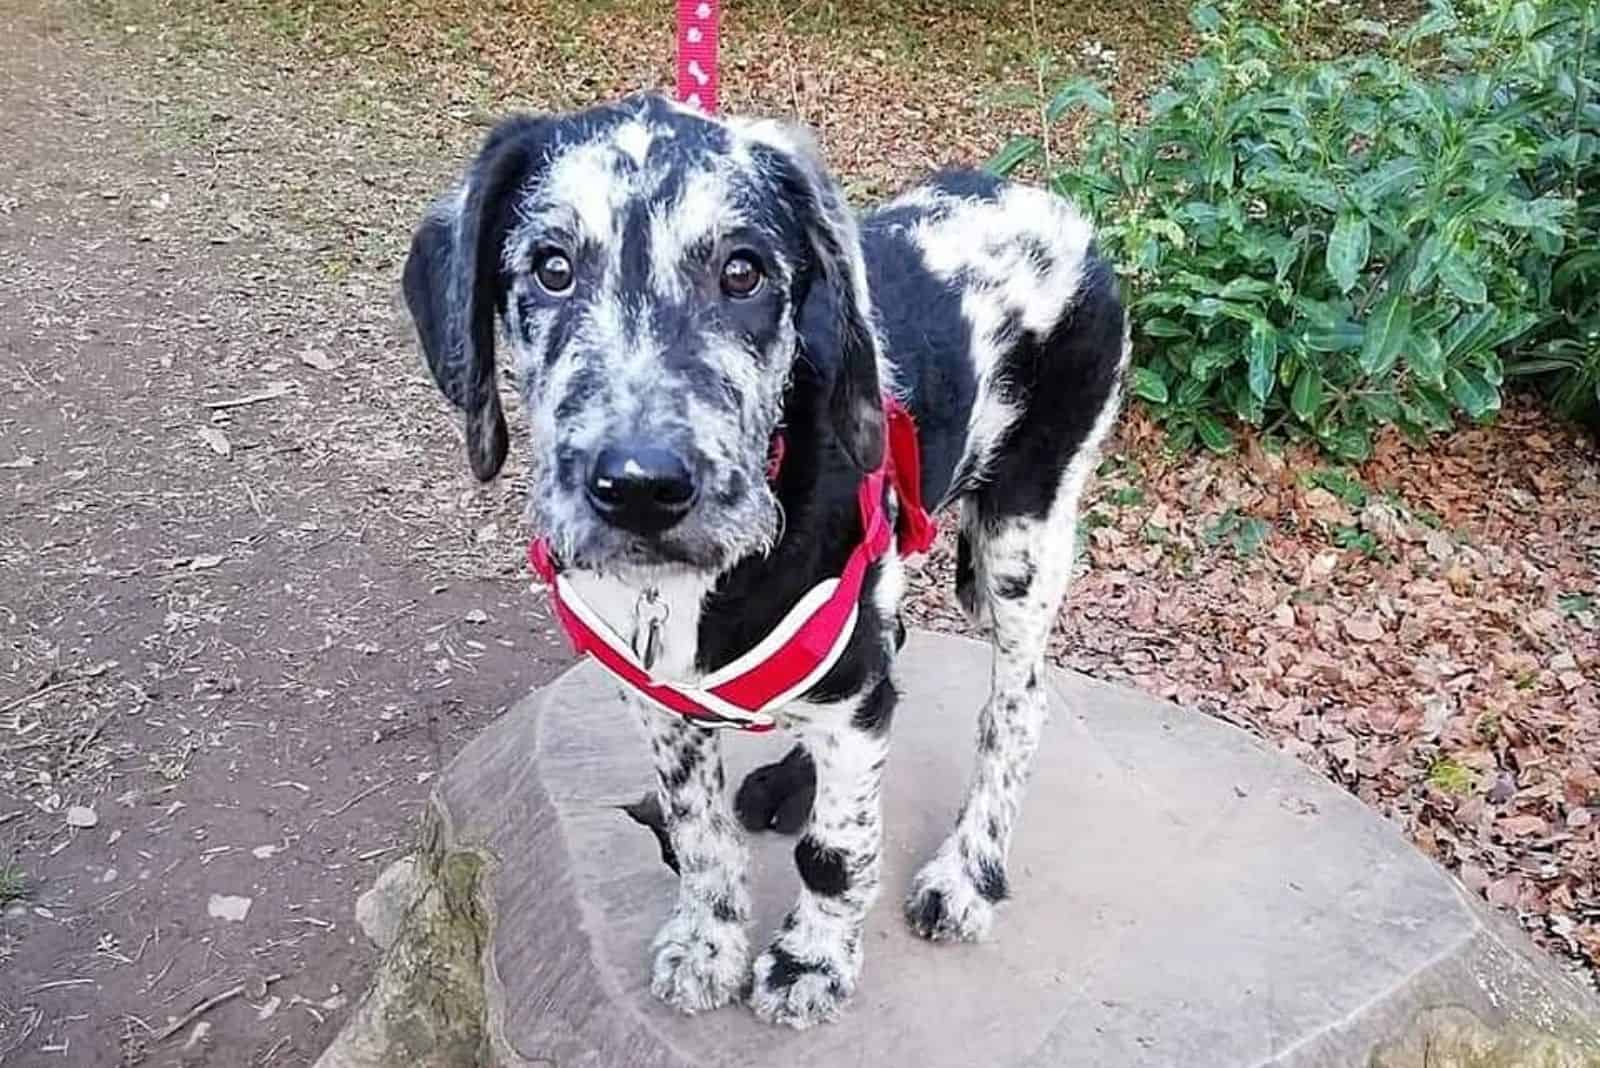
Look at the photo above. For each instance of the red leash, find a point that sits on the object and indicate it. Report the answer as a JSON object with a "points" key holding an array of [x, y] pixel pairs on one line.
{"points": [[698, 29]]}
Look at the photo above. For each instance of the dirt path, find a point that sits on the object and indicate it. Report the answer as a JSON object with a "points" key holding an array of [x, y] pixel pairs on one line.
{"points": [[238, 637], [250, 600]]}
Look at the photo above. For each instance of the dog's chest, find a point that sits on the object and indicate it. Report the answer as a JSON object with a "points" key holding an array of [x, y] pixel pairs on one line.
{"points": [[658, 616]]}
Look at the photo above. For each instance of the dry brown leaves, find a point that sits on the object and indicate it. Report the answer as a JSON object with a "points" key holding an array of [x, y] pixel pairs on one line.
{"points": [[1426, 632]]}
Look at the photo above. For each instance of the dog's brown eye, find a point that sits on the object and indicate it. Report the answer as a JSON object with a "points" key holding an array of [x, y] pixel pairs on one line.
{"points": [[554, 272], [741, 275]]}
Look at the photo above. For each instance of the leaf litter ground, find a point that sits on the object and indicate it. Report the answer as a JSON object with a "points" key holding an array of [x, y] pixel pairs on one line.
{"points": [[253, 603]]}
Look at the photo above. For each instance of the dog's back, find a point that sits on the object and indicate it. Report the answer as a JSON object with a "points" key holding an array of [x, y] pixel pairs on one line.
{"points": [[1006, 335]]}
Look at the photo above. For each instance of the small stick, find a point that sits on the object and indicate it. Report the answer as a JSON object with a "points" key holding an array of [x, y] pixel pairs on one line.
{"points": [[42, 987], [207, 1005], [35, 695], [362, 796], [240, 402]]}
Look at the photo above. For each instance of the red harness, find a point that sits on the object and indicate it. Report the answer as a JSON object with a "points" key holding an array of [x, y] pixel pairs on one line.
{"points": [[746, 692]]}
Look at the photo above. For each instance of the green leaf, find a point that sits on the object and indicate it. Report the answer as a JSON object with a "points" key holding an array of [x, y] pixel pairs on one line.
{"points": [[1338, 337], [1576, 266], [1191, 391], [1250, 536], [1245, 287], [1205, 18], [1426, 359], [1307, 396], [1388, 330], [1169, 229], [1213, 434], [1016, 152], [1473, 392], [1456, 275], [1263, 359], [1147, 385], [1158, 327], [1470, 332], [1079, 92], [1350, 443], [1428, 257], [1348, 246], [1396, 176], [1211, 359], [1512, 329]]}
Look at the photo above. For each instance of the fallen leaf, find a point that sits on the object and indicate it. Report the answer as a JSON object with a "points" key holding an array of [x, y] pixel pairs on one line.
{"points": [[1522, 826], [217, 440], [203, 563], [318, 359], [228, 907], [82, 816], [20, 462], [1363, 627]]}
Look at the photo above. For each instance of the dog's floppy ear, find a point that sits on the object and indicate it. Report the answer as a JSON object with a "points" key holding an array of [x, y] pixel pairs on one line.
{"points": [[450, 284], [856, 402]]}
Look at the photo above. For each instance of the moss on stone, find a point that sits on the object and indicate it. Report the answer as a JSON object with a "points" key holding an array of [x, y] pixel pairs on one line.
{"points": [[427, 1008], [1457, 1038]]}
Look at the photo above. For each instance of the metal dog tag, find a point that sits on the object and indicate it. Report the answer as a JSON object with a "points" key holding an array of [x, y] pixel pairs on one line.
{"points": [[649, 615]]}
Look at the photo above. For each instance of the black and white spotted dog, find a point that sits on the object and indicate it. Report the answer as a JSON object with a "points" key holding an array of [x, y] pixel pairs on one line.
{"points": [[677, 290]]}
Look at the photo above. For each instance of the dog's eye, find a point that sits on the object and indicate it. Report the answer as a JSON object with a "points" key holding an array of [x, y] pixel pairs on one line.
{"points": [[742, 275], [554, 272]]}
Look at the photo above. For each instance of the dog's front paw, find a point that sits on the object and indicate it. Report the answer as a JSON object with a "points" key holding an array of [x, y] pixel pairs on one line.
{"points": [[946, 904], [799, 992], [700, 963]]}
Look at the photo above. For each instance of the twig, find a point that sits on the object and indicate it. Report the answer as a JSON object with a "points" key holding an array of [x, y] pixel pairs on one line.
{"points": [[240, 402], [207, 1005], [362, 796], [9, 816], [272, 1053], [162, 974], [35, 695], [42, 987]]}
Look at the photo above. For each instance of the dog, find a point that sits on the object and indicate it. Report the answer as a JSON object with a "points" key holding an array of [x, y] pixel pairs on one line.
{"points": [[681, 294]]}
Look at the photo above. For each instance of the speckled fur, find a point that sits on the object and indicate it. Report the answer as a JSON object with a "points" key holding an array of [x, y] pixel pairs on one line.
{"points": [[981, 305]]}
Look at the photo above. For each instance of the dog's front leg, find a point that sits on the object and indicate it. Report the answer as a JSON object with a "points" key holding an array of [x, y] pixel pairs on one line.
{"points": [[811, 968], [701, 955]]}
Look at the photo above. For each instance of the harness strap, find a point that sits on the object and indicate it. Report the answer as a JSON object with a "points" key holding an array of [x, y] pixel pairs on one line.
{"points": [[807, 641]]}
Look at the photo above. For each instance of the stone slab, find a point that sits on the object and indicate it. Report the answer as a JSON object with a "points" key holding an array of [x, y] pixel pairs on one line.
{"points": [[1183, 895]]}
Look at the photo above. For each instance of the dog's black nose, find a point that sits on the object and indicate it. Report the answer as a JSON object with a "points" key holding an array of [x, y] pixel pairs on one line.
{"points": [[640, 488]]}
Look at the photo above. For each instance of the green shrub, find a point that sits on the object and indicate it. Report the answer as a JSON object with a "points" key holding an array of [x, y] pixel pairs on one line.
{"points": [[1337, 245]]}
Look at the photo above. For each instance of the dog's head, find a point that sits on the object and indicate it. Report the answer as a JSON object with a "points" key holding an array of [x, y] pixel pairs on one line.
{"points": [[649, 267]]}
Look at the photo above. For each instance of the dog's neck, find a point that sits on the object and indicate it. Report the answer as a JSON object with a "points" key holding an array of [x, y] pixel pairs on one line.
{"points": [[657, 613], [688, 623], [816, 486]]}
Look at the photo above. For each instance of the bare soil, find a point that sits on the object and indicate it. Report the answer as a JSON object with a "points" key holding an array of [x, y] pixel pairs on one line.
{"points": [[251, 601]]}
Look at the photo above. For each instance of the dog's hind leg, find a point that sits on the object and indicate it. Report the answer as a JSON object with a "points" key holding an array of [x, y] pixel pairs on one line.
{"points": [[1021, 561], [701, 955], [811, 967], [1024, 567]]}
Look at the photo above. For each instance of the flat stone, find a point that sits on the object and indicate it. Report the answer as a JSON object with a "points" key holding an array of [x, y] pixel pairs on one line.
{"points": [[1182, 895]]}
